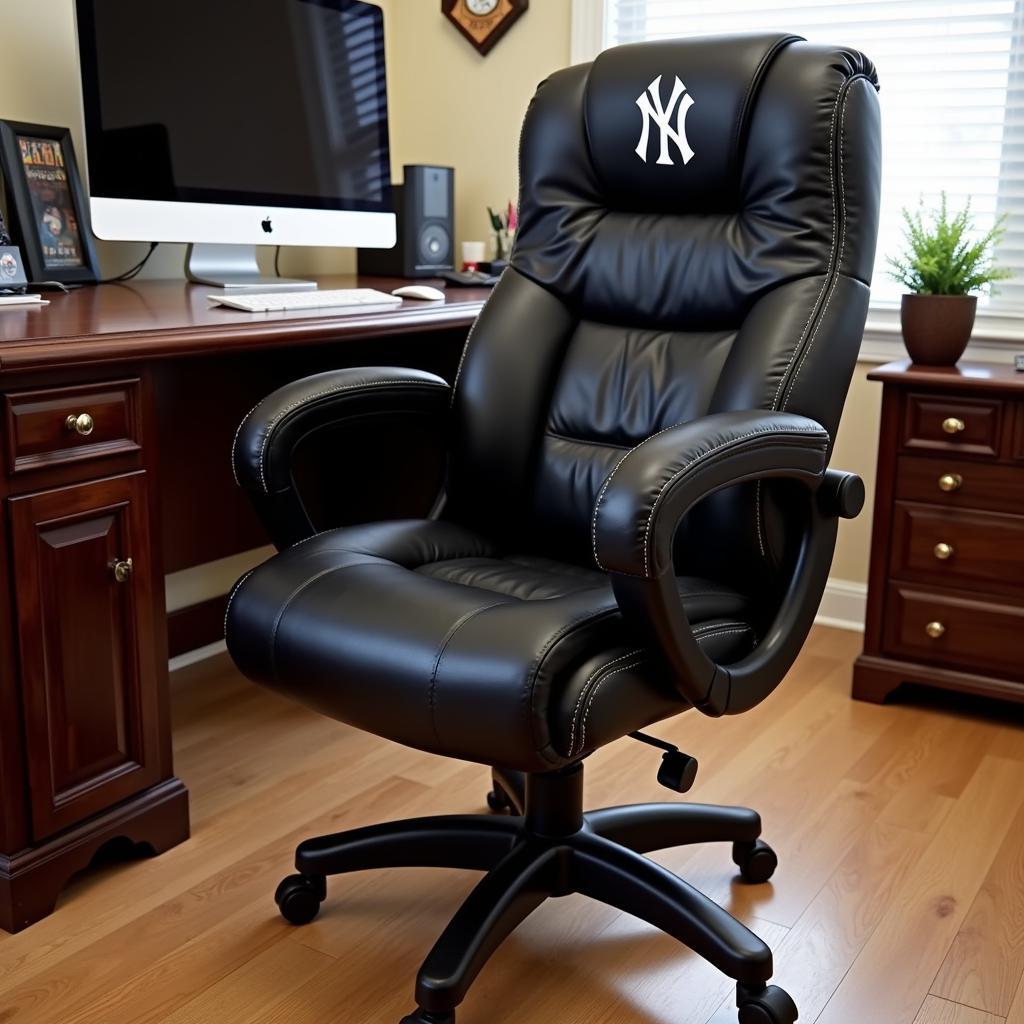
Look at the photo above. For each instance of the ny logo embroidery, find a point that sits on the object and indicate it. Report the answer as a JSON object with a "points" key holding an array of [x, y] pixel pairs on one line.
{"points": [[650, 106]]}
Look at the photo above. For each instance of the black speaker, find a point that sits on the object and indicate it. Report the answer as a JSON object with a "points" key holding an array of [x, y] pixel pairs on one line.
{"points": [[424, 207]]}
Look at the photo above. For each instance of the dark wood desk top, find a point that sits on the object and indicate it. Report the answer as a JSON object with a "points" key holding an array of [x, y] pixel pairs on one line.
{"points": [[162, 319], [965, 375]]}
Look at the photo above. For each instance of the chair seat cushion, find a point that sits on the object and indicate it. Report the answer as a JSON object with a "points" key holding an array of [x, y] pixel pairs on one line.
{"points": [[426, 633]]}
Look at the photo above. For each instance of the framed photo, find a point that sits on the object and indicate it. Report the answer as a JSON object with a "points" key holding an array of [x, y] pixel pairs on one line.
{"points": [[46, 204]]}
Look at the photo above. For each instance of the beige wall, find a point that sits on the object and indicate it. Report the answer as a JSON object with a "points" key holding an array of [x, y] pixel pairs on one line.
{"points": [[452, 106], [448, 106], [856, 448]]}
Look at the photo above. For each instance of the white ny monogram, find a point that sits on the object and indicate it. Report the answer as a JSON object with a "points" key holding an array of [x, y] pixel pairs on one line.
{"points": [[661, 116]]}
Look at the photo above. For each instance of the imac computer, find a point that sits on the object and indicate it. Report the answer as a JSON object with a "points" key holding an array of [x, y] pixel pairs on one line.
{"points": [[232, 123]]}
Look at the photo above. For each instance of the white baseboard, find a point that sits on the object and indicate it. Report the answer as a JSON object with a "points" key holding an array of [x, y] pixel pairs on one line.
{"points": [[843, 605], [199, 654]]}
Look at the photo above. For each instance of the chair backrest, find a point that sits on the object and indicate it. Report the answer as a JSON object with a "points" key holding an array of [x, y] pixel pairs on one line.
{"points": [[697, 233]]}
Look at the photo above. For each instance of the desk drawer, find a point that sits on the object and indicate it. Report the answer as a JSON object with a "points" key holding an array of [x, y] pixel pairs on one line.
{"points": [[954, 630], [47, 427], [960, 483], [958, 548], [949, 423]]}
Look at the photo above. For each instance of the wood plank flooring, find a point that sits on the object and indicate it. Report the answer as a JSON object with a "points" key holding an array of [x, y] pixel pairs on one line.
{"points": [[899, 898]]}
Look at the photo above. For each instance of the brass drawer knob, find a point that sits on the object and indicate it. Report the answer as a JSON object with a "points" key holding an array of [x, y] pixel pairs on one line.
{"points": [[953, 425], [935, 630], [80, 424], [942, 551], [123, 570], [950, 482]]}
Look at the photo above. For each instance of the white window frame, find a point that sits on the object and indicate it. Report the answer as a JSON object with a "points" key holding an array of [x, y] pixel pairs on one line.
{"points": [[996, 336]]}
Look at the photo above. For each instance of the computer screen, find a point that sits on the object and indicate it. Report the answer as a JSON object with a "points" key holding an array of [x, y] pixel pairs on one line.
{"points": [[235, 123], [261, 102]]}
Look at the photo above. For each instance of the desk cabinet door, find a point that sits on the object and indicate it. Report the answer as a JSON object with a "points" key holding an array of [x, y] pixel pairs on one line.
{"points": [[86, 624]]}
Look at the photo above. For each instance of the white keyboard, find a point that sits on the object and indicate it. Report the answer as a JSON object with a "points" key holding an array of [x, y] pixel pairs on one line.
{"points": [[343, 300]]}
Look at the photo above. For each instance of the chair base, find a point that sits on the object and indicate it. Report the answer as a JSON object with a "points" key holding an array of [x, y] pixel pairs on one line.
{"points": [[548, 847]]}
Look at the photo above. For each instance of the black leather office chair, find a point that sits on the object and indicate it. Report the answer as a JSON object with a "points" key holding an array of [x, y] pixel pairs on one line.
{"points": [[638, 518]]}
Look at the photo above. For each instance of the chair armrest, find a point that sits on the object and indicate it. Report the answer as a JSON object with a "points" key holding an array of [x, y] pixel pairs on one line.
{"points": [[652, 485], [264, 445], [655, 484]]}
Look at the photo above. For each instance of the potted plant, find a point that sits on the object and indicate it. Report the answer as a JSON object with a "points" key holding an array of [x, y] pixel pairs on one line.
{"points": [[944, 263]]}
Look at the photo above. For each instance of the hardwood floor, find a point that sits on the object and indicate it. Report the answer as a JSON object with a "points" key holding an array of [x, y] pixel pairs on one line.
{"points": [[899, 898]]}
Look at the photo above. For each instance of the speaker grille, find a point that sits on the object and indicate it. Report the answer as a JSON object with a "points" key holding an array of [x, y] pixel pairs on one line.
{"points": [[435, 245]]}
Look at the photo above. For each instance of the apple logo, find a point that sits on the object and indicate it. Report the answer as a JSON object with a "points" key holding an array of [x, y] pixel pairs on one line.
{"points": [[266, 225]]}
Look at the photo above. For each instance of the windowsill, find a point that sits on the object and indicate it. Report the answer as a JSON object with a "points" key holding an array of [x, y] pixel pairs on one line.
{"points": [[995, 339]]}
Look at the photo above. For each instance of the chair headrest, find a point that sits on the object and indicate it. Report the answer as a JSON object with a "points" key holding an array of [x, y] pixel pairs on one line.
{"points": [[666, 121]]}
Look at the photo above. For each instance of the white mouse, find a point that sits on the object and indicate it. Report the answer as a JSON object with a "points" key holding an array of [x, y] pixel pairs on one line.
{"points": [[419, 291]]}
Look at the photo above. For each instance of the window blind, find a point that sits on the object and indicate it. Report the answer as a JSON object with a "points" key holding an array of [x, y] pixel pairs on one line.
{"points": [[952, 98]]}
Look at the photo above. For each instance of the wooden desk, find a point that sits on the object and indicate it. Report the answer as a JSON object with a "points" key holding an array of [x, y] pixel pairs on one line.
{"points": [[119, 407]]}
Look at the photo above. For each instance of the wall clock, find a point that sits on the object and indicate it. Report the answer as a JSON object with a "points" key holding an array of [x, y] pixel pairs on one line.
{"points": [[483, 22]]}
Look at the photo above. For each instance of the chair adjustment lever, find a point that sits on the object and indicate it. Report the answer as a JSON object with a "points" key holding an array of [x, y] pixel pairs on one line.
{"points": [[678, 770]]}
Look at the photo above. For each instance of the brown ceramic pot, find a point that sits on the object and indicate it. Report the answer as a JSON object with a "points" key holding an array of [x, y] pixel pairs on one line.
{"points": [[936, 328]]}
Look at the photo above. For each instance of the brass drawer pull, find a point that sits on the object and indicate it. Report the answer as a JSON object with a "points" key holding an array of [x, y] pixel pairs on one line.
{"points": [[942, 551], [80, 424], [123, 570], [953, 425], [935, 630], [950, 482]]}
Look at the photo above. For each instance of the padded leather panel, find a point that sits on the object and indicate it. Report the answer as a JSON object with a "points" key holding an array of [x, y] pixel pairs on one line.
{"points": [[424, 632]]}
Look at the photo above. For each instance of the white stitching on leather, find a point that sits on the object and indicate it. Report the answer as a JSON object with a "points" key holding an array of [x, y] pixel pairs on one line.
{"points": [[831, 258], [590, 703], [710, 631], [693, 462], [234, 590], [839, 261], [537, 665], [448, 637], [757, 516], [234, 443], [608, 480], [307, 399], [462, 357], [584, 689]]}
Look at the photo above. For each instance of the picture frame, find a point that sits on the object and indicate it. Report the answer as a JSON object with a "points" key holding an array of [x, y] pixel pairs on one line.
{"points": [[47, 208]]}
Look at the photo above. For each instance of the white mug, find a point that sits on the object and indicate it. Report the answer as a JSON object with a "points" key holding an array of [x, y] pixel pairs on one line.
{"points": [[473, 253]]}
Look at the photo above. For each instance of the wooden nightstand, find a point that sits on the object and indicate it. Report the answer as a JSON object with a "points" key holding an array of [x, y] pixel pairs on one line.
{"points": [[946, 587]]}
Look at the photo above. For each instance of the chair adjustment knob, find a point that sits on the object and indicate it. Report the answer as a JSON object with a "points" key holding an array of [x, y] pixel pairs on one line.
{"points": [[678, 771]]}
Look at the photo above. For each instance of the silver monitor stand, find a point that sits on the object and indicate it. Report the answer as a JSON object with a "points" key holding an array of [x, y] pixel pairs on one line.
{"points": [[234, 268]]}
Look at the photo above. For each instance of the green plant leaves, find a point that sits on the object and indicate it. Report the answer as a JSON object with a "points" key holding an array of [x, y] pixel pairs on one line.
{"points": [[941, 259]]}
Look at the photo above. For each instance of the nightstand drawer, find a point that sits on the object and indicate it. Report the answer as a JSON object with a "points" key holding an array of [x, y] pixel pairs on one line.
{"points": [[957, 548], [954, 630], [960, 483], [47, 427], [948, 423]]}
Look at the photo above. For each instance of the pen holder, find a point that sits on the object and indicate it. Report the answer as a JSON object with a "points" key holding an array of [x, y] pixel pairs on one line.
{"points": [[502, 244]]}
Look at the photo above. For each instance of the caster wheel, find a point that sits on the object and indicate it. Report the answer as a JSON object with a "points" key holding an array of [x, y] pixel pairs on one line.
{"points": [[772, 1006], [422, 1017], [757, 861], [298, 897], [498, 800]]}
